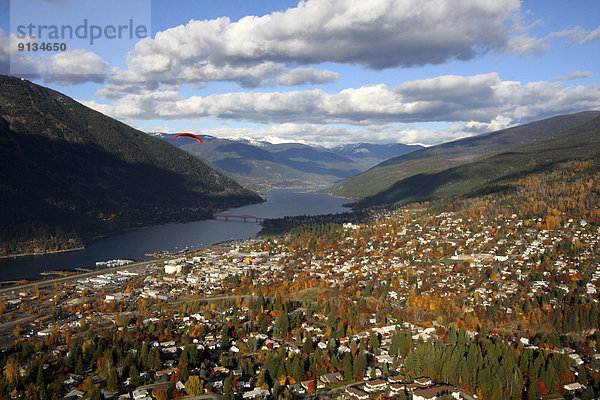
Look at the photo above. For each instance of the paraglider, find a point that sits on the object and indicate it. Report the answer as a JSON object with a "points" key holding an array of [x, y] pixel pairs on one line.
{"points": [[188, 135]]}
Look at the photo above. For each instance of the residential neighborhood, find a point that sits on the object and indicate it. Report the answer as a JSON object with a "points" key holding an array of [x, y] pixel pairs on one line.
{"points": [[485, 298]]}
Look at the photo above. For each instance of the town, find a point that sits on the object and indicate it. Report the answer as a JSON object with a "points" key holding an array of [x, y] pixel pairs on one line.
{"points": [[489, 297]]}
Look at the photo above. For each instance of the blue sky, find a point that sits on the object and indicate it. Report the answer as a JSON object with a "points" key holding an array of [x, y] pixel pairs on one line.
{"points": [[321, 71]]}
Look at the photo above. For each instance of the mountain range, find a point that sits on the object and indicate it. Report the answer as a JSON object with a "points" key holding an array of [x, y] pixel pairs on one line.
{"points": [[67, 170], [427, 164], [69, 173], [493, 173], [262, 165]]}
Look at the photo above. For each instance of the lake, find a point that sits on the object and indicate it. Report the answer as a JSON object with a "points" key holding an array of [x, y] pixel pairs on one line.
{"points": [[135, 244]]}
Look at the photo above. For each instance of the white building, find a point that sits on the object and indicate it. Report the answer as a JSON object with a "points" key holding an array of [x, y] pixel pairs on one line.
{"points": [[173, 269]]}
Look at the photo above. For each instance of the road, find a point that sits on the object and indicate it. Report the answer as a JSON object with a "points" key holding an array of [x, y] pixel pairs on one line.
{"points": [[15, 322], [210, 396], [50, 282], [327, 394]]}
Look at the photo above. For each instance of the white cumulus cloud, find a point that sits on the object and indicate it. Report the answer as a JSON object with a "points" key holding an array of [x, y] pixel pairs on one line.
{"points": [[479, 99], [256, 51], [75, 66], [69, 67]]}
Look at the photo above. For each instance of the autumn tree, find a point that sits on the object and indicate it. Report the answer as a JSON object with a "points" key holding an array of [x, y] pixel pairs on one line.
{"points": [[160, 393], [194, 386]]}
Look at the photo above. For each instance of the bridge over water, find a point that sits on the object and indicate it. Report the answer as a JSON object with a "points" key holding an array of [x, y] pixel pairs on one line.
{"points": [[233, 217]]}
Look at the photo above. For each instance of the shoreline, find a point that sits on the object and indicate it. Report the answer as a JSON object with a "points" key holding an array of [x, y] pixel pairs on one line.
{"points": [[45, 253], [108, 234], [49, 270]]}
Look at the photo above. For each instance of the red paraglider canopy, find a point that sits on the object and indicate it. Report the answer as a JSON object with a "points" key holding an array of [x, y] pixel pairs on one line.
{"points": [[188, 135]]}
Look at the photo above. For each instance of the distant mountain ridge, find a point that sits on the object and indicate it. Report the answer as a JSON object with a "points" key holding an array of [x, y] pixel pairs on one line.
{"points": [[379, 151], [67, 168], [452, 154], [491, 173], [261, 165]]}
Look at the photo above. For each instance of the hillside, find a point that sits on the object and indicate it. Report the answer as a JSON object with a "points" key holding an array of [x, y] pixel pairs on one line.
{"points": [[68, 171], [451, 154], [262, 165], [492, 173]]}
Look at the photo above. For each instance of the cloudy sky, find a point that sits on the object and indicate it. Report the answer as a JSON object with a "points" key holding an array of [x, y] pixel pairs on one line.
{"points": [[317, 71]]}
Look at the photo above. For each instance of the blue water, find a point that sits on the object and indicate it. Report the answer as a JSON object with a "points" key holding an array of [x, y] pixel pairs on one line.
{"points": [[135, 244]]}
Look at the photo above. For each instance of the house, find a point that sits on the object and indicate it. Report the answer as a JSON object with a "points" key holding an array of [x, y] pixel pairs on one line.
{"points": [[357, 393], [169, 350], [221, 370], [384, 359], [375, 385], [370, 370], [244, 384], [140, 394], [434, 392], [575, 357], [296, 388], [167, 372], [256, 394], [173, 269], [424, 382], [74, 394], [397, 388], [309, 385], [571, 387], [331, 378], [71, 380]]}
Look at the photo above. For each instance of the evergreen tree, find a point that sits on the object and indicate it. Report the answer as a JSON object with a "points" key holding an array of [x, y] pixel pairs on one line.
{"points": [[395, 346], [385, 370], [108, 361], [373, 374], [588, 394], [39, 380], [185, 373], [228, 388], [224, 335], [79, 368], [360, 364], [581, 375], [283, 324], [277, 390], [144, 355], [532, 390], [374, 343], [134, 376], [154, 359], [192, 354], [348, 370], [297, 369], [112, 384], [184, 358]]}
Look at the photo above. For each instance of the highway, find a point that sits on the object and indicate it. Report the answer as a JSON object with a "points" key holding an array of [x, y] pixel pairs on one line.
{"points": [[50, 282]]}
